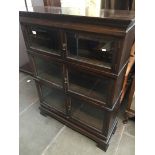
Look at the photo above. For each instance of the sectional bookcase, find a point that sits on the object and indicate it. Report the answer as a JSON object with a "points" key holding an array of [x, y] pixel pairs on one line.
{"points": [[78, 65]]}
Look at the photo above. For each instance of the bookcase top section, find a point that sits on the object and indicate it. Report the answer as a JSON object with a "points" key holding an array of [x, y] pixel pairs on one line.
{"points": [[87, 12], [123, 18]]}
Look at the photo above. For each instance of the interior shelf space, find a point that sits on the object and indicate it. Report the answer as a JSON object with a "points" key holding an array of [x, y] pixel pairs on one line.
{"points": [[47, 40], [54, 98], [49, 70], [89, 85], [96, 51], [87, 114]]}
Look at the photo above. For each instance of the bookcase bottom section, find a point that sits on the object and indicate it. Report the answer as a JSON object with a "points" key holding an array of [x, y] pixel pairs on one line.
{"points": [[101, 143]]}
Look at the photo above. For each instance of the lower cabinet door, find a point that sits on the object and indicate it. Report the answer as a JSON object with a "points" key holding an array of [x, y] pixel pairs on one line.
{"points": [[54, 98], [91, 86], [87, 114]]}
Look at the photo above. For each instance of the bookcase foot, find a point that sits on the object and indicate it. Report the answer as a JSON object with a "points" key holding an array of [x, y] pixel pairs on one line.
{"points": [[103, 146], [114, 130], [42, 113]]}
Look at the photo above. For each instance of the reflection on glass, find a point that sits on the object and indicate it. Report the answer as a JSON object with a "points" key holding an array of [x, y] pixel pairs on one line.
{"points": [[88, 114], [54, 98], [45, 39], [88, 85], [49, 70], [97, 51]]}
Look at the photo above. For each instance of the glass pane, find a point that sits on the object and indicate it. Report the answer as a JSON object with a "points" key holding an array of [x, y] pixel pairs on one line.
{"points": [[89, 85], [54, 98], [88, 114], [49, 70], [93, 50], [45, 39]]}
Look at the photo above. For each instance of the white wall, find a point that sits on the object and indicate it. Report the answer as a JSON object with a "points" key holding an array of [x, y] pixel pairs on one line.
{"points": [[23, 58]]}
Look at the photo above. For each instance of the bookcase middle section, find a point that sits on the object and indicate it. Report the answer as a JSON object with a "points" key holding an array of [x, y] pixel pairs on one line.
{"points": [[75, 80], [90, 86]]}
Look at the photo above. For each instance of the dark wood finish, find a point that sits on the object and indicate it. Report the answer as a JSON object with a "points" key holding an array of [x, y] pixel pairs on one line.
{"points": [[79, 63]]}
